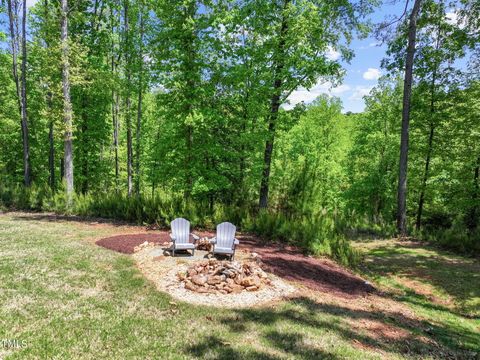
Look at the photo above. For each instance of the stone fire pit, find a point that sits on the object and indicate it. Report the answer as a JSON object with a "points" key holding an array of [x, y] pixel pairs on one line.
{"points": [[224, 277], [203, 281]]}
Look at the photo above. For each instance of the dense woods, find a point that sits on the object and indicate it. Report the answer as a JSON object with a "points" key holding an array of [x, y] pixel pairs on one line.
{"points": [[145, 110]]}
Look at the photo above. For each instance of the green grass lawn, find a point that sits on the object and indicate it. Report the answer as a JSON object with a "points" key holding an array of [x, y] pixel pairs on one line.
{"points": [[67, 298], [443, 289]]}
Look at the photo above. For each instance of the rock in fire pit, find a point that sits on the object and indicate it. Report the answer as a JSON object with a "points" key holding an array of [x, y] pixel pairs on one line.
{"points": [[224, 277]]}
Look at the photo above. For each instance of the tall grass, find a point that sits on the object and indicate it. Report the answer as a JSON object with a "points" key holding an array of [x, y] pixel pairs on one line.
{"points": [[456, 237], [317, 234]]}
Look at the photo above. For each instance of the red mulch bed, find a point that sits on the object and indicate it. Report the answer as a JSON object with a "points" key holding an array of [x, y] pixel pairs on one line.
{"points": [[322, 275], [287, 262], [126, 243]]}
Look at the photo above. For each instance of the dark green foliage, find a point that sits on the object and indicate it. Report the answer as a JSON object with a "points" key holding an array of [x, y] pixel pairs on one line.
{"points": [[317, 235], [450, 215], [187, 93]]}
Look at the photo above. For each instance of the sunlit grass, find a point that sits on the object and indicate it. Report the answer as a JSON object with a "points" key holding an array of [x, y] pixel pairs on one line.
{"points": [[68, 298], [442, 288]]}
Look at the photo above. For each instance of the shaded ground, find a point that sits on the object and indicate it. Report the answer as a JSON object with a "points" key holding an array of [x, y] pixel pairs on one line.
{"points": [[443, 278], [442, 289], [318, 274], [71, 299], [287, 262]]}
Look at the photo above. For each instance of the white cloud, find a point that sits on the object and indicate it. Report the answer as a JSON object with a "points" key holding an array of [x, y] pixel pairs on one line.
{"points": [[332, 54], [359, 92], [451, 17], [307, 96], [372, 74], [30, 3], [370, 45], [339, 89]]}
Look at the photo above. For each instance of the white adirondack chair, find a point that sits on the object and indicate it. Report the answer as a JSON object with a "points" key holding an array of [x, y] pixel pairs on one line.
{"points": [[225, 242], [180, 235]]}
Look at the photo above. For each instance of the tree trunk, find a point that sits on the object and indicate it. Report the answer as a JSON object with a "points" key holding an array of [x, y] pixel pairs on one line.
{"points": [[84, 150], [26, 145], [274, 107], [115, 109], [474, 212], [139, 107], [155, 164], [421, 201], [67, 105], [51, 142], [116, 129], [51, 128], [238, 194], [189, 42], [407, 92], [127, 49], [51, 156], [12, 8]]}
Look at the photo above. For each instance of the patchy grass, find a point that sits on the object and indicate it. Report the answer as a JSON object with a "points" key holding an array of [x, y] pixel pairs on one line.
{"points": [[442, 288], [68, 298]]}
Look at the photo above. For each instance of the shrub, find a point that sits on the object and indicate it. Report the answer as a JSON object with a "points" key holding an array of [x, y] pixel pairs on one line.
{"points": [[317, 234], [456, 237]]}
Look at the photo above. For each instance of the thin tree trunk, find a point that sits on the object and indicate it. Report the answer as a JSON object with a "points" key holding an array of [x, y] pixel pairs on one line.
{"points": [[51, 152], [84, 150], [26, 145], [139, 107], [116, 129], [12, 8], [127, 49], [51, 128], [155, 163], [421, 201], [407, 92], [67, 105], [190, 64], [51, 156], [474, 212], [14, 44], [240, 199], [274, 107], [114, 103]]}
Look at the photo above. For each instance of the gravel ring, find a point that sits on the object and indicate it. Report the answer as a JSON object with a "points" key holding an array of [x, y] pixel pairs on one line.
{"points": [[163, 273], [277, 289]]}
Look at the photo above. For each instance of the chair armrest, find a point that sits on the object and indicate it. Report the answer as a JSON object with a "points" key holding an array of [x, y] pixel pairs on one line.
{"points": [[235, 243], [172, 237], [213, 240], [195, 237]]}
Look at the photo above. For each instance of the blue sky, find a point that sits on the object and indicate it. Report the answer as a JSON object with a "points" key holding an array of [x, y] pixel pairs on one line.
{"points": [[363, 71], [361, 74]]}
